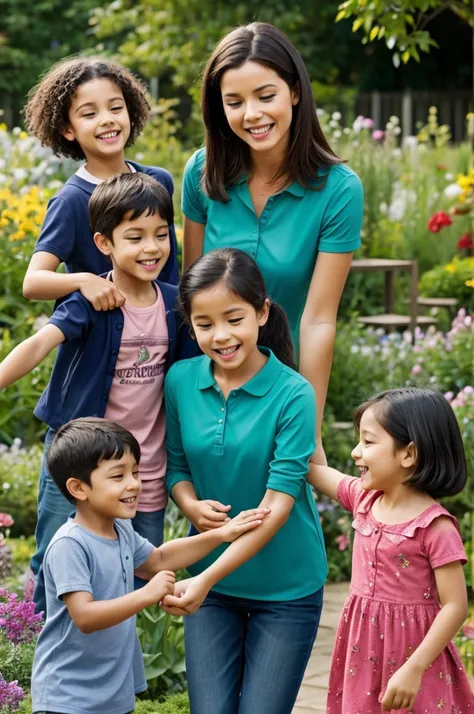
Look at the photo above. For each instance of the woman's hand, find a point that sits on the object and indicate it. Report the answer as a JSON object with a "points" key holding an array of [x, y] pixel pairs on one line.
{"points": [[188, 597], [402, 689], [207, 514]]}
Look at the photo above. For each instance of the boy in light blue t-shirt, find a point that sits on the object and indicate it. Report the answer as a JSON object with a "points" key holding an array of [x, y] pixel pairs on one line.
{"points": [[88, 658]]}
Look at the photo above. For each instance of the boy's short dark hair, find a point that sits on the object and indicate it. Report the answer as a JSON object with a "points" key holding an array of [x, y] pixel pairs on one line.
{"points": [[46, 111], [80, 445], [112, 199]]}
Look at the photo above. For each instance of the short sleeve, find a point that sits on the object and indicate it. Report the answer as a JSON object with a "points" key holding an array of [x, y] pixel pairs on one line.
{"points": [[295, 441], [142, 549], [67, 565], [192, 202], [73, 316], [58, 231], [349, 493], [342, 220], [177, 466], [442, 542]]}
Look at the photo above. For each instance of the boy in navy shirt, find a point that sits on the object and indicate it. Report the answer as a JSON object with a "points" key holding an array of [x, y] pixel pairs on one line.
{"points": [[112, 363], [92, 109], [88, 658]]}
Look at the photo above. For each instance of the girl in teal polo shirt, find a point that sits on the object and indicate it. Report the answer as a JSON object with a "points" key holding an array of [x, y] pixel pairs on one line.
{"points": [[240, 432], [268, 183]]}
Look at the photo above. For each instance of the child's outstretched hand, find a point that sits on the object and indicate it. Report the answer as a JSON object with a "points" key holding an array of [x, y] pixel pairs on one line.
{"points": [[402, 689], [160, 585], [245, 521]]}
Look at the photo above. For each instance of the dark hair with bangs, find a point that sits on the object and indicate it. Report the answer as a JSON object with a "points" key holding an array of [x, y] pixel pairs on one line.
{"points": [[241, 276], [112, 199], [46, 111], [426, 419], [227, 156], [82, 444]]}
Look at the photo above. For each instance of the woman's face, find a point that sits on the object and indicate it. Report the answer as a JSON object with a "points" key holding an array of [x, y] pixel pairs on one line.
{"points": [[258, 105]]}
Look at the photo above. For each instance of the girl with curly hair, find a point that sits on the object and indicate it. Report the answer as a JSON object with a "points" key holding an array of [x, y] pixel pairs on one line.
{"points": [[85, 108]]}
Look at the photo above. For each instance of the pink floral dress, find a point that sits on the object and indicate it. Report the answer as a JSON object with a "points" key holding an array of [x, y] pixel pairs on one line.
{"points": [[391, 605]]}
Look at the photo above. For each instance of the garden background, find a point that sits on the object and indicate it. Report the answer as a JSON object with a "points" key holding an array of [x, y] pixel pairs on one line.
{"points": [[419, 204]]}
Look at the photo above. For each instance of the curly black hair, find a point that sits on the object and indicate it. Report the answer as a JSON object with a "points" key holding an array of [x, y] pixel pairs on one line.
{"points": [[46, 111]]}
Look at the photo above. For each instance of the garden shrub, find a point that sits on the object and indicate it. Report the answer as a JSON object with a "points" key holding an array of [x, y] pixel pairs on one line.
{"points": [[455, 279], [19, 474]]}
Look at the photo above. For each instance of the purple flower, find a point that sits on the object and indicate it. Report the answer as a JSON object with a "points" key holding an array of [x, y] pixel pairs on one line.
{"points": [[367, 123], [18, 619], [10, 695]]}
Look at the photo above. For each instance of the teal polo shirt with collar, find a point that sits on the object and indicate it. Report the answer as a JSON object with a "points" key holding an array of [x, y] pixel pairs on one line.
{"points": [[233, 451], [295, 225]]}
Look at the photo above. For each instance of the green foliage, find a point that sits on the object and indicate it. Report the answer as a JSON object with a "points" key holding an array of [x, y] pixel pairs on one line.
{"points": [[16, 661], [173, 704], [455, 279], [401, 25], [162, 641]]}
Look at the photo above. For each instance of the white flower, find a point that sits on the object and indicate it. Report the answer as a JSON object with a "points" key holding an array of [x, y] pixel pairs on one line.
{"points": [[6, 486], [337, 134], [449, 176], [346, 130], [354, 349], [357, 125], [396, 153], [394, 119], [397, 208], [337, 116], [3, 163], [397, 130], [320, 112], [3, 179], [410, 142], [16, 131], [333, 124], [389, 125], [452, 191], [19, 174], [383, 208], [140, 156]]}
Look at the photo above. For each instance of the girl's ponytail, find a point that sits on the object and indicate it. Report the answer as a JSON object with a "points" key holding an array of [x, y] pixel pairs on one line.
{"points": [[275, 334]]}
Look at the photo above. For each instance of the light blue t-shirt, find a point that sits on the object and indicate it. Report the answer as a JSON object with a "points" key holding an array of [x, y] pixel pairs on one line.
{"points": [[98, 673]]}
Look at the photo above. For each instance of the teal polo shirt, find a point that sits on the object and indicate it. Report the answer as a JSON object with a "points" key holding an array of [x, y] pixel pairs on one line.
{"points": [[233, 451], [295, 225]]}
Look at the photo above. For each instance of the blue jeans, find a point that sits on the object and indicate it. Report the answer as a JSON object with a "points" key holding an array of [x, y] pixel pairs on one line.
{"points": [[53, 511], [249, 656], [150, 526]]}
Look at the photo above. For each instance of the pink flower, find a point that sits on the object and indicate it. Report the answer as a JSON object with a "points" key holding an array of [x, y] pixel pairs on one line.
{"points": [[367, 123], [449, 396], [342, 542], [5, 520], [378, 134], [416, 369]]}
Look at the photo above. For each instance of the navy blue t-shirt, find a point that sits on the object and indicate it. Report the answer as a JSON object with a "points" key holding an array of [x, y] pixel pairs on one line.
{"points": [[67, 235]]}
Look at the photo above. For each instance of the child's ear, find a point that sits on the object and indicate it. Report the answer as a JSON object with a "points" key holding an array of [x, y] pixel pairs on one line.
{"points": [[262, 316], [69, 133], [409, 457], [77, 489], [295, 94], [103, 243]]}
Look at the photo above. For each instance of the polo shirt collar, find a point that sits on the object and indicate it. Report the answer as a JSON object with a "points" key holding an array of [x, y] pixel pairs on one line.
{"points": [[295, 188], [258, 386]]}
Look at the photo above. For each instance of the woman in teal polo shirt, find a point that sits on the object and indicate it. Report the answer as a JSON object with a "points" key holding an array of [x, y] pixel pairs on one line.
{"points": [[268, 183], [240, 432]]}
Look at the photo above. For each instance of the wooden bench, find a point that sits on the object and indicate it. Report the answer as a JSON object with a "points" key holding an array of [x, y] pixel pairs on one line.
{"points": [[389, 319]]}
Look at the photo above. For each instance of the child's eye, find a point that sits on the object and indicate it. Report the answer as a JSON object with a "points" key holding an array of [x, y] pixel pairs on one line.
{"points": [[117, 109], [89, 114], [134, 238], [234, 104], [236, 320], [204, 327], [116, 477], [162, 236]]}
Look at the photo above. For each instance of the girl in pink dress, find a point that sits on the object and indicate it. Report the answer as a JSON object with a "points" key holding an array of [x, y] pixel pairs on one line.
{"points": [[407, 600]]}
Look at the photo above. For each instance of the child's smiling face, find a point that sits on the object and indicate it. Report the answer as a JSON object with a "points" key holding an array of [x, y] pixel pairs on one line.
{"points": [[99, 119], [226, 327]]}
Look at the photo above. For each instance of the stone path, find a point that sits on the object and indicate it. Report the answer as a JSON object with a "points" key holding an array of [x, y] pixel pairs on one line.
{"points": [[312, 696]]}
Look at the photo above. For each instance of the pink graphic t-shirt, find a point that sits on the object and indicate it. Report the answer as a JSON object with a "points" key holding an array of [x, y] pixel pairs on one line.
{"points": [[136, 395]]}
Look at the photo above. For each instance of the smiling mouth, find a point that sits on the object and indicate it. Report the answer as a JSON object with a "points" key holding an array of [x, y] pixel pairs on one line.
{"points": [[130, 500], [108, 135], [227, 351], [261, 130], [363, 470], [150, 262]]}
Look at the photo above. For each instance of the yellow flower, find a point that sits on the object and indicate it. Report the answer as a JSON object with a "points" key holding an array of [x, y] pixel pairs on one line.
{"points": [[450, 268], [23, 135], [469, 283]]}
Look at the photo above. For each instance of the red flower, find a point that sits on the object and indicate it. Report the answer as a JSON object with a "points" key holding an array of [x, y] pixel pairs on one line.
{"points": [[465, 241], [441, 167], [438, 221]]}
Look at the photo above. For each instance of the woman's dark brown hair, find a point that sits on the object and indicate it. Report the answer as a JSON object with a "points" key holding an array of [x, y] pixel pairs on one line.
{"points": [[46, 111], [227, 156]]}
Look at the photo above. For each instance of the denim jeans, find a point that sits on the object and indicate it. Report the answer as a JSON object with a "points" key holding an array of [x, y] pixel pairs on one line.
{"points": [[53, 511], [249, 656], [150, 526]]}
